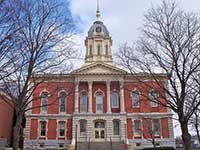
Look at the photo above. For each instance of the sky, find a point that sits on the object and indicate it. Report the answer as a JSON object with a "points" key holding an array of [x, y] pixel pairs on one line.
{"points": [[123, 18]]}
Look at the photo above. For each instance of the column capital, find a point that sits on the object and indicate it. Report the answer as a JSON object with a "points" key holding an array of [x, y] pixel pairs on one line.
{"points": [[90, 82], [108, 82], [76, 82]]}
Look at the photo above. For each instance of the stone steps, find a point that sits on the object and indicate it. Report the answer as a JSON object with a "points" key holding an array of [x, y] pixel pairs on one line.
{"points": [[100, 146]]}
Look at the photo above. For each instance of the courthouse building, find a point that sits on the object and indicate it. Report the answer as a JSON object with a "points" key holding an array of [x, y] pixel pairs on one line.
{"points": [[99, 103]]}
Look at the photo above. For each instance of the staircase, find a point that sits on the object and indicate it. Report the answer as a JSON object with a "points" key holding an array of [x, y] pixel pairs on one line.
{"points": [[100, 146]]}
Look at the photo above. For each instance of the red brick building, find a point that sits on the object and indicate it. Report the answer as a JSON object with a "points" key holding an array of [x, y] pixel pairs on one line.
{"points": [[99, 102], [6, 119]]}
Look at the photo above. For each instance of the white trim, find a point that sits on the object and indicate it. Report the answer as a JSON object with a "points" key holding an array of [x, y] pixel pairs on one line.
{"points": [[141, 128], [99, 90], [159, 121], [58, 128], [96, 100], [86, 93], [41, 106], [39, 128], [131, 95], [151, 102], [117, 93], [59, 94]]}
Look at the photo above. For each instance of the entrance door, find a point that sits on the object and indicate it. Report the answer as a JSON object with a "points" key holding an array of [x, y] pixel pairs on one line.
{"points": [[99, 130]]}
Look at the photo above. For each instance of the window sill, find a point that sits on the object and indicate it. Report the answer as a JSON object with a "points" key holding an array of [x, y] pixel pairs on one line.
{"points": [[135, 106]]}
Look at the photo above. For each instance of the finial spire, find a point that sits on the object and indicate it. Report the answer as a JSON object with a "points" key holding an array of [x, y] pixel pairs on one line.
{"points": [[98, 12]]}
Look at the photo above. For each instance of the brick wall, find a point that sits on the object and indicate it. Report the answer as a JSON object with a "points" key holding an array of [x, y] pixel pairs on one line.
{"points": [[6, 118]]}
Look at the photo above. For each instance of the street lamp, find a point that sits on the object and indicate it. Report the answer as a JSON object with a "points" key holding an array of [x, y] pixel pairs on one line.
{"points": [[125, 127], [76, 132]]}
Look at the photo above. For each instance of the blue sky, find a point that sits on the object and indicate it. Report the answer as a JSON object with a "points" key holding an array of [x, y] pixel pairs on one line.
{"points": [[123, 19]]}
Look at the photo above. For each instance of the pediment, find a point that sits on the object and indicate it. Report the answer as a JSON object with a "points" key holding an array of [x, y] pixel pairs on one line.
{"points": [[99, 68]]}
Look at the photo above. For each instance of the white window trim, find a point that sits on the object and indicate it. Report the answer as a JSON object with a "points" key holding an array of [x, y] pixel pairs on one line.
{"points": [[58, 129], [119, 127], [39, 128], [133, 127], [45, 90], [100, 91], [117, 93], [64, 91], [159, 120], [131, 94], [83, 91], [85, 133], [151, 102]]}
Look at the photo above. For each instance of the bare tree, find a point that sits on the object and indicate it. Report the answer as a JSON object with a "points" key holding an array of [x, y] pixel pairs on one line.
{"points": [[42, 44], [170, 45], [195, 122], [7, 30]]}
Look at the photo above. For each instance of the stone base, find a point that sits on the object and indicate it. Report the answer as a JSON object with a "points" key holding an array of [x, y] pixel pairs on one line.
{"points": [[70, 147]]}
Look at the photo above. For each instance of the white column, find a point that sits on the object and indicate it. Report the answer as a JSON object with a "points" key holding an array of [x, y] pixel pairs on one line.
{"points": [[108, 96], [122, 96], [76, 96], [90, 96]]}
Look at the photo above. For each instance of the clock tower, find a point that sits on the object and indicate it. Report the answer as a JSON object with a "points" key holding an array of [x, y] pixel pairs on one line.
{"points": [[98, 42]]}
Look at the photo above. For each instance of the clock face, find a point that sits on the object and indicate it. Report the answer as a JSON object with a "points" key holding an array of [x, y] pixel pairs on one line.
{"points": [[98, 29]]}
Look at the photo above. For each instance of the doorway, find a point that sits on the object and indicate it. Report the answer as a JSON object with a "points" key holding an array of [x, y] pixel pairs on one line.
{"points": [[99, 130]]}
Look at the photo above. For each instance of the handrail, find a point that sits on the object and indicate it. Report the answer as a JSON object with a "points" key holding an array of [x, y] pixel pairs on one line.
{"points": [[111, 144]]}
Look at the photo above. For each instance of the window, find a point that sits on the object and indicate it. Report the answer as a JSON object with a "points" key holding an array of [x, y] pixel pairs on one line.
{"points": [[90, 50], [137, 127], [44, 101], [98, 50], [153, 95], [83, 102], [62, 101], [116, 127], [115, 100], [156, 126], [99, 124], [61, 146], [61, 128], [41, 145], [83, 126], [43, 128], [135, 98], [106, 49], [99, 102]]}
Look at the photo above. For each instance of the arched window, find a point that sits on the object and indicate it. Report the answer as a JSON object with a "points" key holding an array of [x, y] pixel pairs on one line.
{"points": [[115, 100], [153, 96], [116, 124], [83, 102], [99, 102], [63, 97], [44, 102], [83, 127], [98, 50], [135, 98]]}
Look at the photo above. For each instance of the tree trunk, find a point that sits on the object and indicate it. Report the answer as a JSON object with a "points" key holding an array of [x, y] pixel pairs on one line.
{"points": [[196, 124], [185, 135], [197, 131], [16, 133]]}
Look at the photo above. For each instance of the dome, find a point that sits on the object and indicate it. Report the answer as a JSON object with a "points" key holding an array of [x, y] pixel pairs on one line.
{"points": [[98, 27]]}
